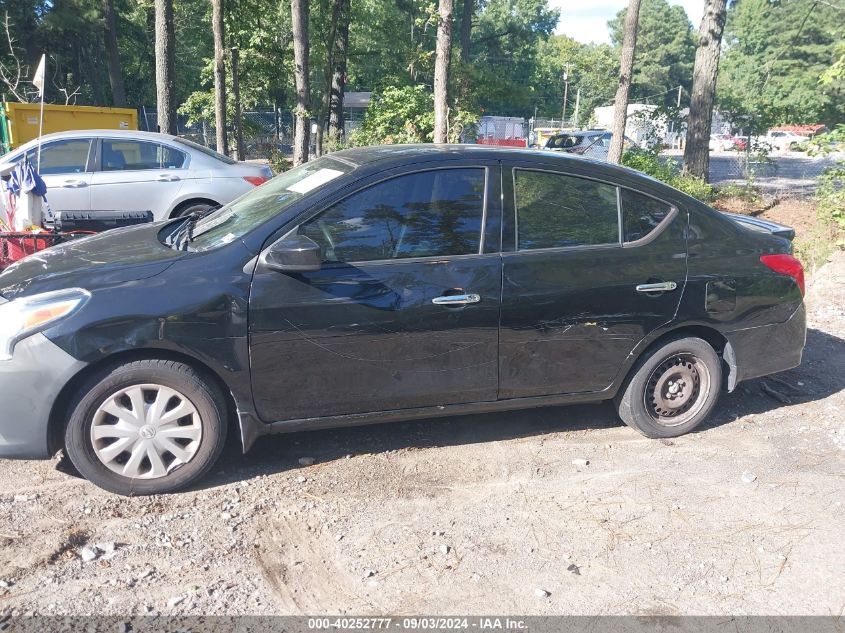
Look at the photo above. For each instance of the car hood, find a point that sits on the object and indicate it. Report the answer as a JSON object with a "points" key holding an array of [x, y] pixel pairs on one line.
{"points": [[114, 257]]}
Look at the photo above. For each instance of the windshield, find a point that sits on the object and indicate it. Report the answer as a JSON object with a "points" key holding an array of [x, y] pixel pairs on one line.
{"points": [[250, 211]]}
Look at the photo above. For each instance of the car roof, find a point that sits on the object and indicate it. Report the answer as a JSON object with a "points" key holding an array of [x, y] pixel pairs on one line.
{"points": [[129, 134], [380, 157]]}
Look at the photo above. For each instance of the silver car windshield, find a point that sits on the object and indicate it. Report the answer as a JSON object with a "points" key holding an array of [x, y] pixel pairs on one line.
{"points": [[236, 219]]}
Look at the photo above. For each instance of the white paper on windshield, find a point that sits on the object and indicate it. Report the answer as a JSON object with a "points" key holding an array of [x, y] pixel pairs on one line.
{"points": [[320, 177]]}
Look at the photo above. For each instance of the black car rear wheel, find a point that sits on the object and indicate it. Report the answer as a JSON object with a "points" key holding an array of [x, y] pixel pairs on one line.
{"points": [[672, 389], [146, 427]]}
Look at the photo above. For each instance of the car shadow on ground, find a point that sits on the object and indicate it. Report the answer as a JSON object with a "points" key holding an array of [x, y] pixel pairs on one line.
{"points": [[821, 374]]}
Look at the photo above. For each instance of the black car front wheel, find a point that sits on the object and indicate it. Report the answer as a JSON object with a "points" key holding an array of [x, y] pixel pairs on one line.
{"points": [[146, 427], [672, 389]]}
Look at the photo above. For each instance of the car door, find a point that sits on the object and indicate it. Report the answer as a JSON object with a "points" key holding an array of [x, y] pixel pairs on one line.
{"points": [[137, 175], [404, 311], [578, 295], [66, 167]]}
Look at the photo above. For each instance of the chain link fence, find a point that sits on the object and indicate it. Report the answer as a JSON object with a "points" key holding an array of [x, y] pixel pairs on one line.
{"points": [[778, 173], [265, 129]]}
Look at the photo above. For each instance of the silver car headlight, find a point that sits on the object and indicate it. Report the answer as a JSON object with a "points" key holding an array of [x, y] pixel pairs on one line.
{"points": [[24, 317]]}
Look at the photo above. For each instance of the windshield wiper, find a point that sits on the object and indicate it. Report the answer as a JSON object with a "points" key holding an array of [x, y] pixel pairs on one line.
{"points": [[184, 233]]}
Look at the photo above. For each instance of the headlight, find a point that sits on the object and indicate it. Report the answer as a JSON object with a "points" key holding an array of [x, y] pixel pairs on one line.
{"points": [[23, 317]]}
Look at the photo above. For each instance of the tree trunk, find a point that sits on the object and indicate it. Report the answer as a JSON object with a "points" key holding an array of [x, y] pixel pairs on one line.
{"points": [[299, 11], [118, 92], [620, 108], [466, 43], [441, 70], [325, 97], [705, 72], [236, 94], [219, 76], [165, 61], [341, 46]]}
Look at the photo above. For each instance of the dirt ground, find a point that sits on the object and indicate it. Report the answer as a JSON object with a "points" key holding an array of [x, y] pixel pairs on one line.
{"points": [[474, 515], [798, 212]]}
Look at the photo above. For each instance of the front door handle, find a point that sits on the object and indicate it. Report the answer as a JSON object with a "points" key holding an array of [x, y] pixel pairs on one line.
{"points": [[74, 184], [663, 286], [456, 300]]}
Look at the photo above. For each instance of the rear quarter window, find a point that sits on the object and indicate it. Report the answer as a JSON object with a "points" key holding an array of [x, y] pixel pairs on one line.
{"points": [[641, 214]]}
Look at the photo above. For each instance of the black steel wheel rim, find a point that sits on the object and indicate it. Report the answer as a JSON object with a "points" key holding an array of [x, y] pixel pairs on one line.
{"points": [[677, 389]]}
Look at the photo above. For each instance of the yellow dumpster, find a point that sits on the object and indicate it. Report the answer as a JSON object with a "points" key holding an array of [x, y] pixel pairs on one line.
{"points": [[19, 121]]}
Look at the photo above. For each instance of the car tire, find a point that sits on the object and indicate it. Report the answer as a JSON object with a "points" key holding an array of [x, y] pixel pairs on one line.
{"points": [[198, 208], [131, 454], [671, 389]]}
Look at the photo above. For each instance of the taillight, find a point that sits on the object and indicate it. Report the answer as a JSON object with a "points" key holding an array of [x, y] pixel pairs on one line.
{"points": [[256, 180], [786, 265]]}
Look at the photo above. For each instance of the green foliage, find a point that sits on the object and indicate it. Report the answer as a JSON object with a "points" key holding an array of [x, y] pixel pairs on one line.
{"points": [[199, 107], [649, 163], [775, 53], [406, 115], [749, 195], [278, 160], [694, 186], [665, 51], [837, 70], [830, 195], [504, 53], [397, 115], [592, 67]]}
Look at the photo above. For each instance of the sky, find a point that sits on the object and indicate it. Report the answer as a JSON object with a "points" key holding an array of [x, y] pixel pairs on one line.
{"points": [[586, 20]]}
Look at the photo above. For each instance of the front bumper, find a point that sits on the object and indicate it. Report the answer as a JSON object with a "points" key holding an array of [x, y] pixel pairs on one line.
{"points": [[765, 350], [29, 384]]}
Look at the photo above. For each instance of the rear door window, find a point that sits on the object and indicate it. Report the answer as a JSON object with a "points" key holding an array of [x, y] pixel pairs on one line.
{"points": [[425, 214], [641, 214], [130, 155], [556, 210]]}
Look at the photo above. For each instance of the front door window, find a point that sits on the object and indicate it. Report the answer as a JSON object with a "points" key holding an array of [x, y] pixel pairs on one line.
{"points": [[62, 157], [426, 214]]}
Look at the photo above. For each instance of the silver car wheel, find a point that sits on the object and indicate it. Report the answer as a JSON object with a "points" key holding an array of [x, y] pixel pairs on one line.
{"points": [[146, 431]]}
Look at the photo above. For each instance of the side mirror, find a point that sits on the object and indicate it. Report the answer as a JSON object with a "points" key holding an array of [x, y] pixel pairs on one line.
{"points": [[293, 254]]}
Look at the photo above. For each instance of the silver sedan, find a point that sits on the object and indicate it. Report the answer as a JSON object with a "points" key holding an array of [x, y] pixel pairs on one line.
{"points": [[116, 170]]}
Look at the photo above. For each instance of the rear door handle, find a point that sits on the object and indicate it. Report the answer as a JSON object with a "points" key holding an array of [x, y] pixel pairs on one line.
{"points": [[74, 184], [167, 178], [456, 300], [663, 286]]}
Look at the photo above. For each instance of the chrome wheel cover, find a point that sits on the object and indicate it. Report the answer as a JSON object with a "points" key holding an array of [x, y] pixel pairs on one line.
{"points": [[146, 431]]}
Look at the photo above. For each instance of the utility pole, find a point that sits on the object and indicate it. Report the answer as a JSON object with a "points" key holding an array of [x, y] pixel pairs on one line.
{"points": [[566, 68], [577, 105]]}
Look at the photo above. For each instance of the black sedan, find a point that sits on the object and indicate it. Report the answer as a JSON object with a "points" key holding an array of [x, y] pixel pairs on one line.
{"points": [[382, 284]]}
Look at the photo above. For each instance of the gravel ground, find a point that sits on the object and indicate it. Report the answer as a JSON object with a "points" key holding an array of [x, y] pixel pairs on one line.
{"points": [[547, 511]]}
